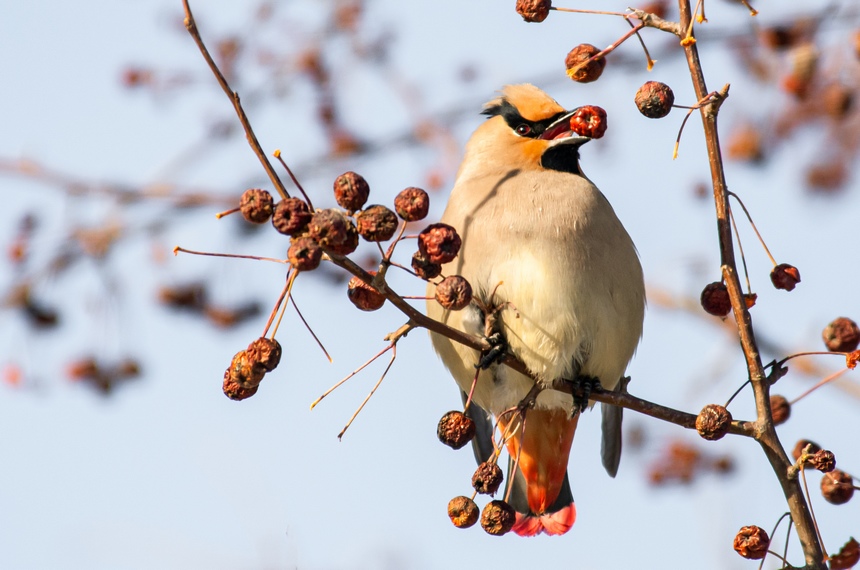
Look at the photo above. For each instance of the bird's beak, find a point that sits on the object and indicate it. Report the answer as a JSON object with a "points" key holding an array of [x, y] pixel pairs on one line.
{"points": [[560, 132]]}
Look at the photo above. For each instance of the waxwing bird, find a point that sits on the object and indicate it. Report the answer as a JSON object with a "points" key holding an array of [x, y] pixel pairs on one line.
{"points": [[553, 267]]}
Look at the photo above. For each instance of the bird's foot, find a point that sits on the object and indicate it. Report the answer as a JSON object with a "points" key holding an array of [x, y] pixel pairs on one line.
{"points": [[582, 388], [498, 349]]}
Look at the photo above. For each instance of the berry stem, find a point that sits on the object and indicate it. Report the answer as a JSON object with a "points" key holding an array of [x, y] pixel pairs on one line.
{"points": [[599, 12], [812, 512], [220, 215], [772, 532], [290, 280], [294, 179], [738, 391], [740, 249], [760, 239], [277, 305], [178, 249], [351, 374], [649, 62], [818, 385], [472, 390], [310, 330], [372, 391]]}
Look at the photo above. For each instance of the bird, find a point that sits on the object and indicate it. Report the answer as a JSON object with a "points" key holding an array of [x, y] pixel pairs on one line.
{"points": [[557, 283]]}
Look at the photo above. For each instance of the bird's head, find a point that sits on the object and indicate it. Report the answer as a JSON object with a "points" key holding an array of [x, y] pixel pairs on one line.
{"points": [[528, 129]]}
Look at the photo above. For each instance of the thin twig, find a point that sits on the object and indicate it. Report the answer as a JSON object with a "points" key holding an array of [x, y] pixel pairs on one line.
{"points": [[351, 374], [178, 249], [310, 330], [191, 26], [752, 223]]}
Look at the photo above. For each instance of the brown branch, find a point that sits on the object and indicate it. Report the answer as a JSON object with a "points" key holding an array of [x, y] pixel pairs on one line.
{"points": [[191, 26], [765, 432]]}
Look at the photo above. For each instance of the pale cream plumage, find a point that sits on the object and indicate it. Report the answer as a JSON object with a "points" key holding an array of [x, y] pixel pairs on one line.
{"points": [[550, 245]]}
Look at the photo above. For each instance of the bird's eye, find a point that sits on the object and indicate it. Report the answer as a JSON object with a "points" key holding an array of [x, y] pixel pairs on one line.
{"points": [[523, 130]]}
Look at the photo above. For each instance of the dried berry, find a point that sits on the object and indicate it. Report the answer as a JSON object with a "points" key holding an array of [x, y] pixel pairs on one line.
{"points": [[256, 205], [376, 223], [462, 511], [842, 335], [487, 478], [801, 445], [837, 487], [785, 276], [304, 253], [291, 216], [780, 409], [423, 268], [715, 299], [655, 99], [235, 391], [823, 460], [580, 71], [589, 121], [498, 518], [534, 10], [440, 243], [244, 371], [265, 352], [363, 295], [454, 293], [751, 542], [455, 429], [713, 422], [351, 191], [852, 359], [333, 231], [847, 557], [412, 204]]}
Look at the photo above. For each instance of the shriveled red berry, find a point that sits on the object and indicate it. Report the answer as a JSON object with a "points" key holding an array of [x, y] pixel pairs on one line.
{"points": [[487, 478], [235, 391], [842, 335], [291, 216], [376, 223], [751, 542], [655, 99], [423, 267], [847, 557], [363, 296], [498, 518], [304, 254], [780, 409], [455, 429], [463, 512], [589, 121], [333, 232], [534, 10], [588, 72], [351, 191], [412, 204], [256, 205], [715, 299], [265, 352], [713, 422], [244, 371], [837, 487], [785, 276], [454, 293], [440, 243], [801, 445], [823, 460]]}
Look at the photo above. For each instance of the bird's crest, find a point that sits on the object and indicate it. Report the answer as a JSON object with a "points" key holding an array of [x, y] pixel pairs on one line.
{"points": [[530, 102]]}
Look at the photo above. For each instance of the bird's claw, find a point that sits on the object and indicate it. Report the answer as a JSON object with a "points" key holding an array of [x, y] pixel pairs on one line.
{"points": [[498, 349], [582, 388]]}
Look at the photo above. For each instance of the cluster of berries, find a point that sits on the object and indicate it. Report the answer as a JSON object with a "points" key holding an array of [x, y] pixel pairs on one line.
{"points": [[455, 430]]}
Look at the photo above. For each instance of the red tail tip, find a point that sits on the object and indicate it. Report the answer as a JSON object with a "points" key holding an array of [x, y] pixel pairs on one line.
{"points": [[553, 524]]}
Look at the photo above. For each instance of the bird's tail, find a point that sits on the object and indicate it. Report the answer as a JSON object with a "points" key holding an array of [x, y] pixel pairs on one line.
{"points": [[540, 490]]}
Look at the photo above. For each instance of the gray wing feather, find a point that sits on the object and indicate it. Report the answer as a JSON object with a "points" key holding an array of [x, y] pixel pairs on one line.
{"points": [[482, 445]]}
